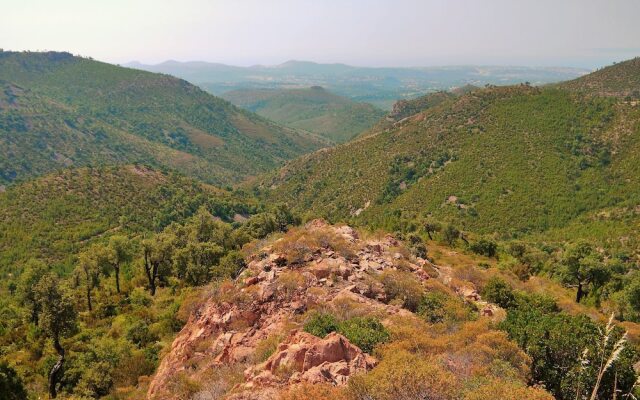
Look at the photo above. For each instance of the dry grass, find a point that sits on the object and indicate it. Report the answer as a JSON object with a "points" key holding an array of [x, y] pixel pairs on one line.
{"points": [[268, 346], [203, 139], [289, 282], [192, 300], [219, 382], [227, 292], [402, 287], [299, 244], [497, 389], [438, 362], [307, 391], [249, 128]]}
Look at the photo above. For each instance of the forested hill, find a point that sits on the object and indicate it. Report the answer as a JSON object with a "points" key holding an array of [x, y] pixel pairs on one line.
{"points": [[514, 160], [619, 80], [59, 110], [313, 109], [53, 217]]}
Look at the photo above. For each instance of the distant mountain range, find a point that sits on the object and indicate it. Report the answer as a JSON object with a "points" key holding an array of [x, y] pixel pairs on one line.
{"points": [[379, 86]]}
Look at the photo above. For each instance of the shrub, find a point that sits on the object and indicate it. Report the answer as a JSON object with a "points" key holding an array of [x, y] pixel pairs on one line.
{"points": [[541, 302], [140, 297], [191, 301], [314, 391], [556, 343], [485, 247], [230, 265], [431, 307], [403, 287], [517, 249], [140, 335], [321, 324], [402, 375], [499, 292], [417, 246], [498, 389], [11, 387], [365, 333], [451, 234], [96, 381], [131, 367]]}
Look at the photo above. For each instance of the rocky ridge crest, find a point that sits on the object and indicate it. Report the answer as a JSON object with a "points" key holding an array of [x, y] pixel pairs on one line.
{"points": [[321, 267]]}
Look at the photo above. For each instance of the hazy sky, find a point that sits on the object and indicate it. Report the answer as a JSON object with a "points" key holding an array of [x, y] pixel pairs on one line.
{"points": [[362, 32]]}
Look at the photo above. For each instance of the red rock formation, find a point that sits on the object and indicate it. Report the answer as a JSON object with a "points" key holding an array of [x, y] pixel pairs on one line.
{"points": [[304, 357], [237, 319]]}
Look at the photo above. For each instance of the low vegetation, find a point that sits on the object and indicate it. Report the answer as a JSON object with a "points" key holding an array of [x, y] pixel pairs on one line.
{"points": [[366, 333]]}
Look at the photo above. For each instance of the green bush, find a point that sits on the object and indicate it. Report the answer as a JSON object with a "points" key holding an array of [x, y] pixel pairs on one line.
{"points": [[230, 265], [431, 307], [11, 387], [566, 351], [365, 333], [451, 234], [485, 247], [499, 292], [542, 302], [321, 324], [140, 335]]}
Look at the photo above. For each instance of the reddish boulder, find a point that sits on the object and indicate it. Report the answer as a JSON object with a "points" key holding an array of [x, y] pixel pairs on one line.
{"points": [[312, 359]]}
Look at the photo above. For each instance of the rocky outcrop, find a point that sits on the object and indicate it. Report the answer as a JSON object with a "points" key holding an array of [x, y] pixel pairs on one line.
{"points": [[265, 306], [304, 357]]}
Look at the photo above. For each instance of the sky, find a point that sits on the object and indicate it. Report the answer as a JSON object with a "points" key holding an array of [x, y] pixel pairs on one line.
{"points": [[578, 33]]}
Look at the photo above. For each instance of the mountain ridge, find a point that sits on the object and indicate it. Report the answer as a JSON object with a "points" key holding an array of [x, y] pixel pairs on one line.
{"points": [[108, 107], [476, 161]]}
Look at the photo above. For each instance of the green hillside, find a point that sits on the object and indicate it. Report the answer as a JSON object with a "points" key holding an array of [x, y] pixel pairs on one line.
{"points": [[620, 80], [512, 160], [123, 252], [314, 109], [406, 108], [53, 217], [58, 110]]}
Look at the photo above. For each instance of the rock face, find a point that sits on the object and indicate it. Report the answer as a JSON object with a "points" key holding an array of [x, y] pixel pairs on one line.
{"points": [[265, 307], [309, 358]]}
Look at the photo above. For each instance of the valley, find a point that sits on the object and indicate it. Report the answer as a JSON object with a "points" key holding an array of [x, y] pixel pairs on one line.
{"points": [[316, 110], [477, 241], [381, 87]]}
